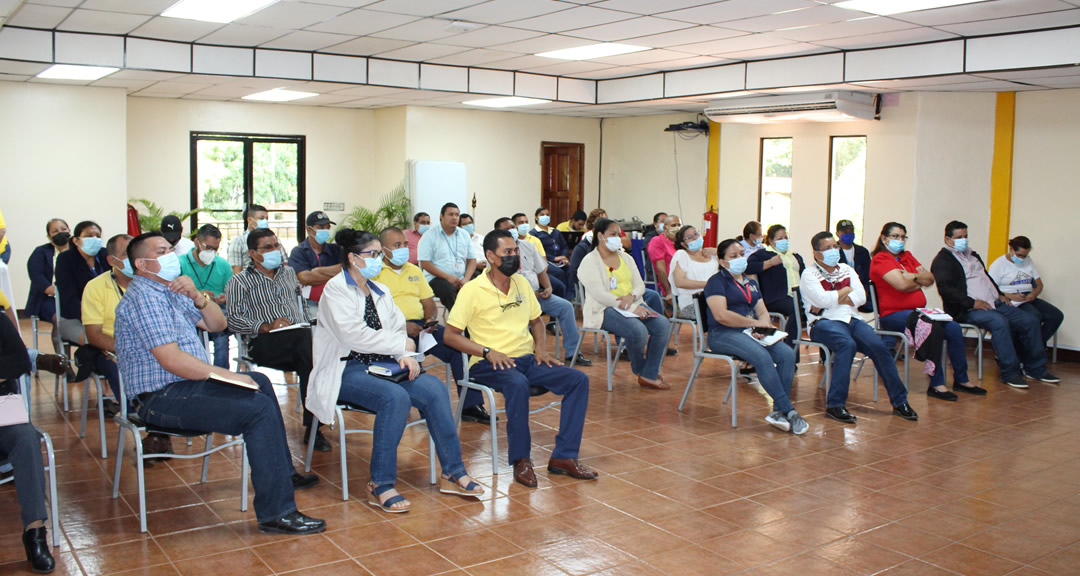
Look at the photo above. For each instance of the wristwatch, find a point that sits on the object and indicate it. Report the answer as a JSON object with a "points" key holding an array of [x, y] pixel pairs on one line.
{"points": [[486, 352], [205, 301]]}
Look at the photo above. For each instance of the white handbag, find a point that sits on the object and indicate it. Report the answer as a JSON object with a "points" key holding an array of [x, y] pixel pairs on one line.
{"points": [[13, 410]]}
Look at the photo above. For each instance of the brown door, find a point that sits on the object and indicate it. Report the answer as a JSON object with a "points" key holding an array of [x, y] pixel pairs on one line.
{"points": [[562, 177]]}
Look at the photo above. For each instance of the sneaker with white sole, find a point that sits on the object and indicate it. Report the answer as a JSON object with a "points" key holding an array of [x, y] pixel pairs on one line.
{"points": [[798, 425], [778, 420], [1046, 377], [1017, 381]]}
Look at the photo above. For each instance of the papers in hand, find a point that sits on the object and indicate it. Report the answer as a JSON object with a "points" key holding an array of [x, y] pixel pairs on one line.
{"points": [[633, 313], [935, 314], [766, 340], [13, 410], [291, 327], [427, 342], [232, 381]]}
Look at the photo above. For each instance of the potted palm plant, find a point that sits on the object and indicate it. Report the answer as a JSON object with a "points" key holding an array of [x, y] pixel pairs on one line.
{"points": [[394, 209]]}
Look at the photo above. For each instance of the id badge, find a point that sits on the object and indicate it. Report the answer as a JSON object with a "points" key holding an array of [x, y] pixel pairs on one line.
{"points": [[612, 283], [459, 269]]}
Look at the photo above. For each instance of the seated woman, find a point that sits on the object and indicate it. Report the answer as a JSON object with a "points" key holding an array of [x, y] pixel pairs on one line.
{"points": [[40, 267], [778, 269], [613, 301], [735, 304], [899, 280], [1020, 283], [691, 266], [751, 239], [359, 324], [74, 269]]}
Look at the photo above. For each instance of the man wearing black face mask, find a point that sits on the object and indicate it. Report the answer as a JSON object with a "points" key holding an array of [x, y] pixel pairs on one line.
{"points": [[506, 340]]}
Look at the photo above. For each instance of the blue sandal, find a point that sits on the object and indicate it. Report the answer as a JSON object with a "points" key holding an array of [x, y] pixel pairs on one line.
{"points": [[450, 485], [373, 499]]}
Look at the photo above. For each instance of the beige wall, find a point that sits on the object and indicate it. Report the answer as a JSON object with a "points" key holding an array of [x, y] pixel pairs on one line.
{"points": [[62, 155], [1045, 201], [389, 149]]}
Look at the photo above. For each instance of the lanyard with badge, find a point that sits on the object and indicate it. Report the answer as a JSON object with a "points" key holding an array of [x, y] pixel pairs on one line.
{"points": [[195, 267], [116, 285], [459, 265]]}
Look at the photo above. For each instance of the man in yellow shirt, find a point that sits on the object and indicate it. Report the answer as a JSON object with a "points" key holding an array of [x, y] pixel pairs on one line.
{"points": [[99, 301], [506, 340]]}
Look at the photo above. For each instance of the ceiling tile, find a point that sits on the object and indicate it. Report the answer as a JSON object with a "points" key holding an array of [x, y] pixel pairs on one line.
{"points": [[693, 62], [475, 57], [791, 19], [424, 30], [148, 7], [616, 72], [499, 11], [305, 40], [352, 104], [1057, 82], [737, 10], [36, 16], [129, 85], [745, 42], [985, 86], [912, 36], [981, 11], [570, 68], [1030, 75], [542, 44], [102, 22], [293, 15], [345, 3], [687, 36], [580, 17], [321, 100], [175, 29], [422, 7], [871, 25], [638, 58], [241, 35], [519, 63], [489, 36], [145, 75], [797, 49], [64, 3], [421, 52], [620, 31], [14, 78], [361, 22], [1015, 24], [368, 91], [650, 6], [366, 46], [22, 68]]}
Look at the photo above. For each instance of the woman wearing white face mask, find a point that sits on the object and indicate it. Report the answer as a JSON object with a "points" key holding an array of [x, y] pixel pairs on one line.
{"points": [[1021, 285], [359, 325], [74, 268], [210, 273], [691, 267], [613, 301], [735, 304], [778, 269]]}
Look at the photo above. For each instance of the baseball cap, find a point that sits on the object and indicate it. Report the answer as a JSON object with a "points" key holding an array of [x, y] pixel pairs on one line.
{"points": [[171, 228], [844, 225], [318, 217]]}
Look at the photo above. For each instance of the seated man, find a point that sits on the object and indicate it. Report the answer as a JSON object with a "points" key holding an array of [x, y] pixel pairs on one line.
{"points": [[413, 296], [421, 224], [1020, 282], [534, 268], [446, 256], [558, 276], [315, 260], [856, 256], [173, 231], [468, 224], [661, 248], [166, 376], [506, 341], [574, 226], [656, 228], [255, 216], [262, 297], [968, 294], [210, 273], [831, 294]]}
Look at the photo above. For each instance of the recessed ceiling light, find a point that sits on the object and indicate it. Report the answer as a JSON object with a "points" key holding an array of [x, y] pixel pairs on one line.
{"points": [[221, 11], [886, 7], [69, 72], [593, 51], [279, 95], [506, 102]]}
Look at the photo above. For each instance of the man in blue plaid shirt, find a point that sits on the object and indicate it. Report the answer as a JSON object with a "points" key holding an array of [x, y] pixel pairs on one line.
{"points": [[165, 371]]}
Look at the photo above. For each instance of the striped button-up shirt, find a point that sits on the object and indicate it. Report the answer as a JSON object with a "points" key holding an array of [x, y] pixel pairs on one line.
{"points": [[150, 315], [256, 299]]}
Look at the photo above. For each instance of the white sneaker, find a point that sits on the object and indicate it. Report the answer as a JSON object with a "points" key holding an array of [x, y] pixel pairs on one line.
{"points": [[798, 425], [778, 420]]}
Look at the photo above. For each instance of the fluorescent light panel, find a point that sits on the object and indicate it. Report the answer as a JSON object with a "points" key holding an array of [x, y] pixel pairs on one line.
{"points": [[279, 95], [886, 7], [506, 102], [70, 72], [221, 11], [592, 51]]}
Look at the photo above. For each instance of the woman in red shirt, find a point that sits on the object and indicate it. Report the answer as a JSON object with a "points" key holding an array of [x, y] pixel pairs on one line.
{"points": [[899, 280]]}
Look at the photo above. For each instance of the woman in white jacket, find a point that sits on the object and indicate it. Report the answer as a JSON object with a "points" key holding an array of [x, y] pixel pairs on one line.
{"points": [[613, 291], [359, 324]]}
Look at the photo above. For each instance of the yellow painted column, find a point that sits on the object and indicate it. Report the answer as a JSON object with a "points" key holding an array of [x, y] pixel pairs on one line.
{"points": [[712, 187], [1001, 175]]}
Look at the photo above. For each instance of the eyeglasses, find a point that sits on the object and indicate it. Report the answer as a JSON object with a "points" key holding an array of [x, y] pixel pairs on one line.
{"points": [[897, 237], [373, 253]]}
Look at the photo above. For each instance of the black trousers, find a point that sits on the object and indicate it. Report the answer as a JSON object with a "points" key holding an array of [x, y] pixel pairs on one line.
{"points": [[21, 446], [289, 351], [444, 291]]}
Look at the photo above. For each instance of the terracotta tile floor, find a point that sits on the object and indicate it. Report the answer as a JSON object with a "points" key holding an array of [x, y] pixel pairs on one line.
{"points": [[984, 486]]}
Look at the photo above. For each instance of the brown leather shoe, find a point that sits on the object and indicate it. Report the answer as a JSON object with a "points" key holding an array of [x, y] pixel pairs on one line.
{"points": [[653, 384], [523, 472], [53, 363], [572, 468]]}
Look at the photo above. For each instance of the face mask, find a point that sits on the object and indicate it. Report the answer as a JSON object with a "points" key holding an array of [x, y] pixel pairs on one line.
{"points": [[523, 230], [372, 267], [470, 228], [60, 238], [272, 260], [895, 246], [514, 233], [1016, 259], [264, 223], [509, 265], [695, 245], [613, 243], [783, 245], [322, 236], [423, 228], [847, 238], [757, 242], [830, 257], [961, 244], [399, 256], [170, 267], [544, 220], [126, 270], [737, 266], [207, 257], [91, 245]]}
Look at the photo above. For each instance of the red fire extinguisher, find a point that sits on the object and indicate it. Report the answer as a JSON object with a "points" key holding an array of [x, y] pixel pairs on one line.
{"points": [[712, 220], [133, 221]]}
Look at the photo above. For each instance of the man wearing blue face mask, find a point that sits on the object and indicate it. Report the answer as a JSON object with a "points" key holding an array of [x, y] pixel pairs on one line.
{"points": [[831, 293], [316, 260], [255, 216], [262, 300], [468, 224], [99, 301], [856, 256]]}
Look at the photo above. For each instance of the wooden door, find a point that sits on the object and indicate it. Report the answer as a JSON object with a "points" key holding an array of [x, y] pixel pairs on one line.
{"points": [[562, 178]]}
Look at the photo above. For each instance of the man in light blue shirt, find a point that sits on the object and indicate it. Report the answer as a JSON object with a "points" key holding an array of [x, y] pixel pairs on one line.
{"points": [[447, 256]]}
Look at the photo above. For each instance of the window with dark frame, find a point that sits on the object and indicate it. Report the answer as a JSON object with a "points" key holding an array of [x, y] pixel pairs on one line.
{"points": [[847, 182], [774, 183]]}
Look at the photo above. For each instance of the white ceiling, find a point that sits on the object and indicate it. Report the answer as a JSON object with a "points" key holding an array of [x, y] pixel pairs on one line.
{"points": [[684, 34]]}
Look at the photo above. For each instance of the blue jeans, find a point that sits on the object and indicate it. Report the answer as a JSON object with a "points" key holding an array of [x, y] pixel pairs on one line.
{"points": [[221, 348], [108, 369], [571, 384], [844, 339], [557, 277], [1048, 315], [391, 402], [954, 343], [653, 300], [646, 340], [1012, 327], [775, 365], [20, 446], [452, 357], [211, 407], [563, 310]]}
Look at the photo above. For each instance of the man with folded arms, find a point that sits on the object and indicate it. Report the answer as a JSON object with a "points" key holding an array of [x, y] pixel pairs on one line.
{"points": [[262, 300], [166, 372], [506, 342]]}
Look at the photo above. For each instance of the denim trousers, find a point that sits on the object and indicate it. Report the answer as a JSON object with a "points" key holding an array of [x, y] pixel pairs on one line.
{"points": [[205, 406], [221, 348], [954, 343], [557, 277], [653, 300], [452, 357], [844, 339], [20, 446], [563, 310], [1017, 338], [570, 383], [391, 402], [786, 306], [108, 369], [1048, 315], [646, 340], [775, 365]]}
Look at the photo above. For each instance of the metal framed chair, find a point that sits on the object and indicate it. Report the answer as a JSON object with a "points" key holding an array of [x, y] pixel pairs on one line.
{"points": [[244, 363], [904, 347], [50, 463], [701, 352], [611, 360], [93, 382]]}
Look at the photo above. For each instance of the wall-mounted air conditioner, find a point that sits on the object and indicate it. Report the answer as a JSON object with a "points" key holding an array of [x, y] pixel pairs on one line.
{"points": [[833, 106]]}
